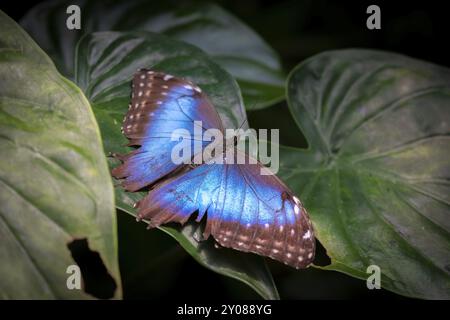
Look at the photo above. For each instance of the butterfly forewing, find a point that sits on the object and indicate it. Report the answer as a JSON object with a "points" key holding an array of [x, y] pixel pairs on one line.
{"points": [[160, 104]]}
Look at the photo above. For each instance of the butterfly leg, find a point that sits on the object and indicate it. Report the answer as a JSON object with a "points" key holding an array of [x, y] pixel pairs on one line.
{"points": [[117, 184], [117, 156], [197, 235]]}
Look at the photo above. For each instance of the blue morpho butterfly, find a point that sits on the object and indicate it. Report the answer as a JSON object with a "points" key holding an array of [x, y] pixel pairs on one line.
{"points": [[245, 210]]}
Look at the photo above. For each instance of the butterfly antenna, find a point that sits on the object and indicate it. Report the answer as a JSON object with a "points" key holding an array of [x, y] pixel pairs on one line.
{"points": [[242, 124], [245, 120]]}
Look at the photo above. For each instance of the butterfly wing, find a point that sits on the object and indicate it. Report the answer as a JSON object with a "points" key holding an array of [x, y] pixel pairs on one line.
{"points": [[160, 104], [245, 210]]}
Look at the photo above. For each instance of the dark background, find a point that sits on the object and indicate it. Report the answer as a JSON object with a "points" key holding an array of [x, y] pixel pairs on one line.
{"points": [[296, 30]]}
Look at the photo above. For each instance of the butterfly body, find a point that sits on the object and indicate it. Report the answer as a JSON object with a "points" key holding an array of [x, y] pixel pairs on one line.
{"points": [[246, 206]]}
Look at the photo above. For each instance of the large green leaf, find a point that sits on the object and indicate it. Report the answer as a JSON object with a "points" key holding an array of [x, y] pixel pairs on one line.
{"points": [[227, 40], [375, 178], [54, 181], [156, 273], [106, 62]]}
